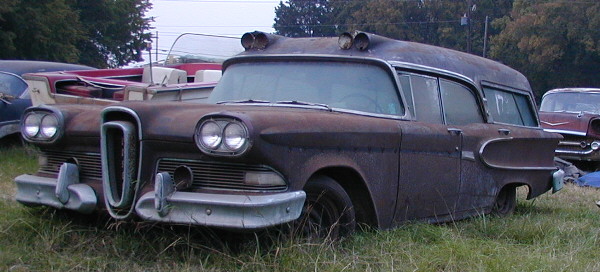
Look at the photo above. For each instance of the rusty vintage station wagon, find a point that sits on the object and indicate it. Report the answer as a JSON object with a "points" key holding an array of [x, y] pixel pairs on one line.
{"points": [[331, 132]]}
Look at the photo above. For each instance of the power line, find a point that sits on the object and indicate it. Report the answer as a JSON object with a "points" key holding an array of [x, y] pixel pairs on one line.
{"points": [[343, 1], [221, 2]]}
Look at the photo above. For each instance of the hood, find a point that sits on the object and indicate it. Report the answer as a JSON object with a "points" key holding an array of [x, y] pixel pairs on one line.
{"points": [[282, 125]]}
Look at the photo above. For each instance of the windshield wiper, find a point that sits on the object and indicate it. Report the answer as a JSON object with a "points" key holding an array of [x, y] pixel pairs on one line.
{"points": [[296, 102], [243, 101]]}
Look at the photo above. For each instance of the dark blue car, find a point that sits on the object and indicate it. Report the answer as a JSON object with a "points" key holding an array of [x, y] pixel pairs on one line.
{"points": [[14, 98]]}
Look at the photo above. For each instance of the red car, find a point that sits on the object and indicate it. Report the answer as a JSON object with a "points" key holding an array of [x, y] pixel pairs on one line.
{"points": [[575, 114]]}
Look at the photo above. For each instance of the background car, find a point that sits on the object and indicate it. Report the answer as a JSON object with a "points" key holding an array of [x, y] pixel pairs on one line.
{"points": [[14, 98], [575, 114]]}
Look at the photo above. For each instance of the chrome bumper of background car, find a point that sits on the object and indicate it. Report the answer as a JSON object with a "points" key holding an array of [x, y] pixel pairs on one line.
{"points": [[578, 148], [10, 127], [574, 152], [220, 210], [65, 192]]}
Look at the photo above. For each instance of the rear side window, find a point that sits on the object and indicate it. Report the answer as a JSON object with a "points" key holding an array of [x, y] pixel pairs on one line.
{"points": [[460, 105], [439, 101], [510, 107]]}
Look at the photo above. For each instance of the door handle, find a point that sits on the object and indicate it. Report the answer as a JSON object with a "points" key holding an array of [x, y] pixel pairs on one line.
{"points": [[504, 131], [455, 131]]}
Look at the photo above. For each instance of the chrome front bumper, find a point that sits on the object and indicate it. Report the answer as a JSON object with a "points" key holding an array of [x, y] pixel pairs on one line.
{"points": [[164, 204], [34, 190], [226, 211]]}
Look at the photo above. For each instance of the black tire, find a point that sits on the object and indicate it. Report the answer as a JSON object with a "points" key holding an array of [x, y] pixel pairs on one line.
{"points": [[328, 212], [506, 201]]}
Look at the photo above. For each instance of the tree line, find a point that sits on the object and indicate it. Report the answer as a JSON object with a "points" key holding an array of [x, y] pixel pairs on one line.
{"points": [[99, 33], [555, 43]]}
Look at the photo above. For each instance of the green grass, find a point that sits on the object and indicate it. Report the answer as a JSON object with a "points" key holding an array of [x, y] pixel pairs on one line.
{"points": [[559, 232]]}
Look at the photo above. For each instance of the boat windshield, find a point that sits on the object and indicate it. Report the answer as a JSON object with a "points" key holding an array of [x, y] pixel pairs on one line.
{"points": [[334, 85], [192, 48]]}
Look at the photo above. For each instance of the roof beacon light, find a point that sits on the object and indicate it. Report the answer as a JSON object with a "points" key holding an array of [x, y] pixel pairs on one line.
{"points": [[255, 40], [362, 41], [345, 41]]}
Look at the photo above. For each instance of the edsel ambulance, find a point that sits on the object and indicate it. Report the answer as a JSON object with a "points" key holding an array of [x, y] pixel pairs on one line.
{"points": [[328, 133]]}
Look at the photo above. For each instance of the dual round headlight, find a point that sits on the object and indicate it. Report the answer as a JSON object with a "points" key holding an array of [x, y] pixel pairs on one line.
{"points": [[40, 126], [222, 136]]}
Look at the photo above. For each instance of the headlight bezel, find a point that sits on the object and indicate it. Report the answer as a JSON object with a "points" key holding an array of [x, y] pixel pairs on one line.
{"points": [[225, 145], [41, 114]]}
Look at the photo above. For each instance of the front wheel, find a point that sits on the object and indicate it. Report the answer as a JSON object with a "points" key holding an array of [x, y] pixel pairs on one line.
{"points": [[506, 201], [328, 211]]}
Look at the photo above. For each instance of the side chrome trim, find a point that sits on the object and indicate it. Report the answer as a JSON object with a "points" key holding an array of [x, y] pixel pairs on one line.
{"points": [[492, 165], [568, 132]]}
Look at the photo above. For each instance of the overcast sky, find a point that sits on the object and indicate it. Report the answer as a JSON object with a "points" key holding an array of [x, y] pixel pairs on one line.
{"points": [[224, 17]]}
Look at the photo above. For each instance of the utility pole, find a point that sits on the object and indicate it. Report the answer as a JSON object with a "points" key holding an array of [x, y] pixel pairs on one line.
{"points": [[156, 45], [485, 34], [469, 6]]}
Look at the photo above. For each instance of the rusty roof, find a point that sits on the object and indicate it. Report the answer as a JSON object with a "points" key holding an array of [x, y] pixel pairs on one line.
{"points": [[476, 68]]}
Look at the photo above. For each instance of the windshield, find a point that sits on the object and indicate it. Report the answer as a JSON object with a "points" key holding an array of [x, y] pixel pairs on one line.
{"points": [[11, 84], [342, 85], [571, 102], [190, 48]]}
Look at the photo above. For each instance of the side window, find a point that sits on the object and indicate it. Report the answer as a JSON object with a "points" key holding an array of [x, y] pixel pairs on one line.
{"points": [[426, 99], [406, 91], [11, 84], [460, 104], [510, 107]]}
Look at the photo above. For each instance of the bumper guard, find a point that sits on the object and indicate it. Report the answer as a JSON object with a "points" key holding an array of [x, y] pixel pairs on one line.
{"points": [[63, 193]]}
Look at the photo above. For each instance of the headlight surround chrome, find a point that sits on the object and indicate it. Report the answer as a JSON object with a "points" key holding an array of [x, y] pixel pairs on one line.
{"points": [[222, 136], [41, 125]]}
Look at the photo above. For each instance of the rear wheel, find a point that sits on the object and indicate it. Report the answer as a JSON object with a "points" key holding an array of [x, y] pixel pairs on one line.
{"points": [[328, 211], [506, 201]]}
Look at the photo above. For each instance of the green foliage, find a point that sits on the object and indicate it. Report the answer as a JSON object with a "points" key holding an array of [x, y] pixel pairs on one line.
{"points": [[101, 33], [301, 18], [555, 43], [428, 21], [115, 29]]}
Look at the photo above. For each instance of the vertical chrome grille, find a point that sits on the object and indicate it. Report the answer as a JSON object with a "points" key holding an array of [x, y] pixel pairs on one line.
{"points": [[120, 161]]}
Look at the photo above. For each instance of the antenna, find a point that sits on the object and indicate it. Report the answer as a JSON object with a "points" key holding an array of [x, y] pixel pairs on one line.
{"points": [[149, 47]]}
